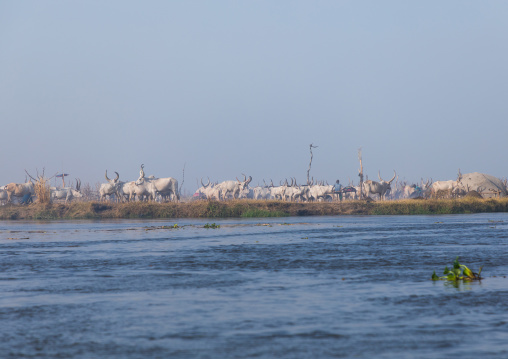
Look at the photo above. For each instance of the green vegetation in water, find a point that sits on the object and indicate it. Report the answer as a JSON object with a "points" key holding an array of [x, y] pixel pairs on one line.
{"points": [[174, 226], [458, 272], [212, 226]]}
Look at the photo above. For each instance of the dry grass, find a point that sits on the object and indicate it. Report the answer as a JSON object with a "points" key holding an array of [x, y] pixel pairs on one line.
{"points": [[248, 208], [441, 206], [42, 191]]}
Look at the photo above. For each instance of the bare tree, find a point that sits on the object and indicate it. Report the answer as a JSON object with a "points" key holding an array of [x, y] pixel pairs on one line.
{"points": [[183, 180], [310, 163], [360, 172]]}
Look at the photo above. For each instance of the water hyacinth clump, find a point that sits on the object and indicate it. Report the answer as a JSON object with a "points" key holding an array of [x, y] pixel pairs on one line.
{"points": [[458, 272]]}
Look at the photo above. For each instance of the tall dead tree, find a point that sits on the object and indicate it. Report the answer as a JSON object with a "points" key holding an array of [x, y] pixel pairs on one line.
{"points": [[360, 172], [183, 179], [310, 163]]}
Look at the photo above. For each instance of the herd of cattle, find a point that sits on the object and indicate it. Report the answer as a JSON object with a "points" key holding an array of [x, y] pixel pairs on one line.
{"points": [[166, 189]]}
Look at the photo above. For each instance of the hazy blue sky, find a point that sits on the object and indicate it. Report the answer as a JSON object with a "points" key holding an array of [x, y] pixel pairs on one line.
{"points": [[231, 87]]}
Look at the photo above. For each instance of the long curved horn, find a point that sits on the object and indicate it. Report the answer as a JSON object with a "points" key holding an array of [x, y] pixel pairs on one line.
{"points": [[394, 175], [379, 175], [249, 179], [244, 178], [106, 175], [142, 173], [117, 177], [202, 184], [30, 176]]}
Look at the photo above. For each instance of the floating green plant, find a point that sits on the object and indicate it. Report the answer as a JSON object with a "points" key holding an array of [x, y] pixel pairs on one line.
{"points": [[458, 272], [213, 226]]}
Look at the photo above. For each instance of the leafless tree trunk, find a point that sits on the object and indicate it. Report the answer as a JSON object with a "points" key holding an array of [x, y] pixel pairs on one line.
{"points": [[310, 164], [183, 180], [360, 172]]}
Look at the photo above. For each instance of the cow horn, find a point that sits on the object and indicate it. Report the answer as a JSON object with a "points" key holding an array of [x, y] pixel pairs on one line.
{"points": [[106, 175], [394, 175], [30, 176], [117, 177], [244, 178], [379, 175]]}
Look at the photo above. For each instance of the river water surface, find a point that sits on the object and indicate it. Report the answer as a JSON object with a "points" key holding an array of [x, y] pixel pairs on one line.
{"points": [[299, 287]]}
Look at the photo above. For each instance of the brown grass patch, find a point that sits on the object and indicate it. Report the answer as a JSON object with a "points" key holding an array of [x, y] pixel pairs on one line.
{"points": [[248, 208]]}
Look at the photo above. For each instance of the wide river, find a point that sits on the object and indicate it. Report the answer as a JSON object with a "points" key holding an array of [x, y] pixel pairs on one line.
{"points": [[298, 287]]}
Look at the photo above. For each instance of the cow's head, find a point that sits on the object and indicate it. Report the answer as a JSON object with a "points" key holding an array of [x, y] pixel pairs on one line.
{"points": [[386, 184], [112, 181], [243, 184]]}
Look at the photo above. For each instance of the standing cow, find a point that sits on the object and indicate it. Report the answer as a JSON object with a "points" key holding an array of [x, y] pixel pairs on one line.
{"points": [[67, 193], [233, 188], [20, 190], [382, 188]]}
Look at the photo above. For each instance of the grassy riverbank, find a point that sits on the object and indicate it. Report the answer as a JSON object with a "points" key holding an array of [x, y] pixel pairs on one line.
{"points": [[248, 208]]}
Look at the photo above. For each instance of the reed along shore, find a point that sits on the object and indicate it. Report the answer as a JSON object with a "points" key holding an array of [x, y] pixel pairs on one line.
{"points": [[247, 208]]}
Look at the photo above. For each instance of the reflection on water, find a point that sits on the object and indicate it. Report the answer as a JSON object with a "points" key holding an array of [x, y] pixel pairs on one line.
{"points": [[293, 288]]}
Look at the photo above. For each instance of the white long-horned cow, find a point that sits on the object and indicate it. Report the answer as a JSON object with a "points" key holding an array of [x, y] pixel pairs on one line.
{"points": [[67, 193], [233, 188], [446, 186], [381, 188], [142, 188], [209, 190], [321, 192], [113, 187], [19, 190], [295, 192], [166, 187], [3, 195]]}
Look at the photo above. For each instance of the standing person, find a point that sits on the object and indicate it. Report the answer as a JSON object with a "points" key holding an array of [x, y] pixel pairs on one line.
{"points": [[337, 189]]}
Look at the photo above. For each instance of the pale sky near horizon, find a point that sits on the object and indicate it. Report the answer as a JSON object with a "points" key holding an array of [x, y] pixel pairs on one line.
{"points": [[232, 87]]}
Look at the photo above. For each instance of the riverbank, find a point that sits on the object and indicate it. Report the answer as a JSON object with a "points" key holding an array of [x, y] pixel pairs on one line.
{"points": [[248, 208]]}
